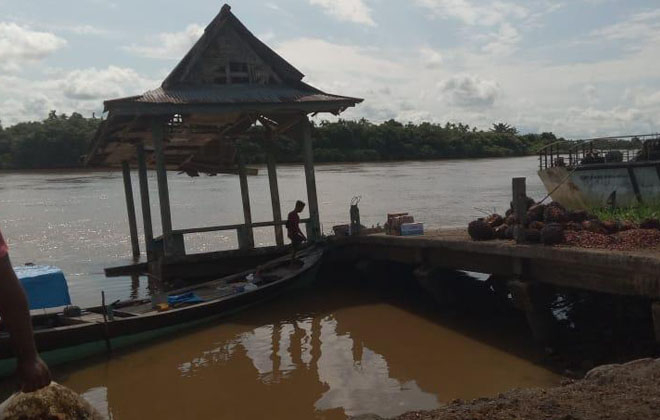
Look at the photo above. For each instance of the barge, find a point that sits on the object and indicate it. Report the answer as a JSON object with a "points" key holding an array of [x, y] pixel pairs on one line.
{"points": [[612, 171]]}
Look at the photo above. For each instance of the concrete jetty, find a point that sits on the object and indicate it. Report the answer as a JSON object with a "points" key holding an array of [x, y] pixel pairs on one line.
{"points": [[528, 271]]}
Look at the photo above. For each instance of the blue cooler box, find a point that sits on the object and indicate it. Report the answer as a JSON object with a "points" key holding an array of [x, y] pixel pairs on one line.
{"points": [[412, 229], [45, 286]]}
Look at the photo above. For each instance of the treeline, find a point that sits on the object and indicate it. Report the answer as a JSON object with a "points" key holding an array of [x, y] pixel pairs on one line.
{"points": [[363, 141], [61, 140]]}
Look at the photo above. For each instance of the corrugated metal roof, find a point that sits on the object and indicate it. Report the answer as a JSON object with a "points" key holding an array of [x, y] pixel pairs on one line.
{"points": [[232, 94]]}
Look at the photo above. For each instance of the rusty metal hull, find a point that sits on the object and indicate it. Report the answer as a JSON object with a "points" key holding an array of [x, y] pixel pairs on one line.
{"points": [[593, 185]]}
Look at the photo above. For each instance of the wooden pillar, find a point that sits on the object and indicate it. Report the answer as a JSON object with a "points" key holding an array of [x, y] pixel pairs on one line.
{"points": [[519, 208], [145, 202], [310, 178], [655, 311], [274, 188], [163, 189], [535, 300], [247, 241], [130, 206]]}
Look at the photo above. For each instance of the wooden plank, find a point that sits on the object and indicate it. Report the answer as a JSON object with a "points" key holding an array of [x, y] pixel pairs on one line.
{"points": [[145, 201], [248, 240], [519, 208], [163, 189], [310, 179], [231, 227], [130, 206], [274, 188]]}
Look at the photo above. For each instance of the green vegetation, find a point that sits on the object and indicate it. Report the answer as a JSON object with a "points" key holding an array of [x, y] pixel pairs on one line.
{"points": [[59, 141], [363, 141], [636, 214]]}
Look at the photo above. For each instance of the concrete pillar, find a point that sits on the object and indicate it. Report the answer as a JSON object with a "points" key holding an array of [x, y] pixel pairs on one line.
{"points": [[130, 206], [535, 300], [246, 237], [163, 189], [145, 202], [274, 188], [310, 178]]}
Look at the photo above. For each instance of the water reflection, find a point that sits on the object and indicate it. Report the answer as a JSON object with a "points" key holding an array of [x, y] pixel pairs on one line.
{"points": [[319, 354], [354, 378]]}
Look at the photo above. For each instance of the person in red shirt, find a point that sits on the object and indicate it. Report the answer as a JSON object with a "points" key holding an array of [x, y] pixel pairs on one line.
{"points": [[293, 227], [33, 373]]}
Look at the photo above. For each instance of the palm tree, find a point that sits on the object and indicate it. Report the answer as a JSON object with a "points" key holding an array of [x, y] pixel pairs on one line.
{"points": [[504, 128]]}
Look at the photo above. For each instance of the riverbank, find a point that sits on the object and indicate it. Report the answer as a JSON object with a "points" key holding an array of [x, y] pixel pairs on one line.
{"points": [[615, 392]]}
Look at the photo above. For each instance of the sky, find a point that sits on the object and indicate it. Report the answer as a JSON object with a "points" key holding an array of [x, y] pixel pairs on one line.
{"points": [[578, 68]]}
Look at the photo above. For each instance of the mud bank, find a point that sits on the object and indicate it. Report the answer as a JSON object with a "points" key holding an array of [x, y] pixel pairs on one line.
{"points": [[615, 392]]}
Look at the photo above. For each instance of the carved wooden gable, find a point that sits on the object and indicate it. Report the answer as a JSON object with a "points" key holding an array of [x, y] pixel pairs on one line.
{"points": [[229, 60]]}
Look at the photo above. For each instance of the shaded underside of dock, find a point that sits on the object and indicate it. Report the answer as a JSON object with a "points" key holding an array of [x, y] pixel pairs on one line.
{"points": [[529, 272]]}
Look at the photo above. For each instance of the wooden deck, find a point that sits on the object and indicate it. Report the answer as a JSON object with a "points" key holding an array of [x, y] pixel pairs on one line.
{"points": [[524, 268], [629, 273]]}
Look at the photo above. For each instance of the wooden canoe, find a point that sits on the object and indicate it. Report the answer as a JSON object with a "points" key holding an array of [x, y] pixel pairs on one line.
{"points": [[73, 338]]}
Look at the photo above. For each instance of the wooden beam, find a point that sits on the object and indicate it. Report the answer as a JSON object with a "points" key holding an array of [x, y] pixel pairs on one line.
{"points": [[130, 206], [310, 178], [145, 202], [519, 208], [274, 188], [163, 189], [248, 240], [230, 227]]}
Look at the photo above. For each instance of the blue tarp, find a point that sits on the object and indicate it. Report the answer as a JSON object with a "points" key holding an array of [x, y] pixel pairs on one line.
{"points": [[189, 297], [45, 286]]}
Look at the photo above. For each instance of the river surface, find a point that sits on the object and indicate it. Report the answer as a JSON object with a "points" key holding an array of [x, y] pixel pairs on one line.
{"points": [[326, 352]]}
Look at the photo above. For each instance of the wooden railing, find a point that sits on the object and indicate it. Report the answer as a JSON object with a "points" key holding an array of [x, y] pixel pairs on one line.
{"points": [[572, 153], [241, 230]]}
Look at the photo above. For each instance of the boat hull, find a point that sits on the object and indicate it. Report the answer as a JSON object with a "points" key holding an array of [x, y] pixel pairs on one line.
{"points": [[592, 186], [75, 342]]}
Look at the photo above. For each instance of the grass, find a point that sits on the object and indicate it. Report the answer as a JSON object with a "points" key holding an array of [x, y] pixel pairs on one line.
{"points": [[637, 213]]}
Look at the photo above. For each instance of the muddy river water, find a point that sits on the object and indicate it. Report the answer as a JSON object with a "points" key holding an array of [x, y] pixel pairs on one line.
{"points": [[333, 350]]}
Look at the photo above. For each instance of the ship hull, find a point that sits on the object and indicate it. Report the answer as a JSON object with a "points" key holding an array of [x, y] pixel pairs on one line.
{"points": [[589, 186]]}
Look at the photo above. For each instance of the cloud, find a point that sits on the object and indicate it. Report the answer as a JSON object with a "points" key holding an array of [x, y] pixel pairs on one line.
{"points": [[81, 90], [643, 26], [432, 58], [469, 91], [109, 83], [87, 30], [355, 11], [488, 14], [168, 45], [20, 45], [504, 42]]}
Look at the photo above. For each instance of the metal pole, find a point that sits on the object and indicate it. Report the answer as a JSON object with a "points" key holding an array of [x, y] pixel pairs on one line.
{"points": [[163, 189], [130, 206], [145, 201]]}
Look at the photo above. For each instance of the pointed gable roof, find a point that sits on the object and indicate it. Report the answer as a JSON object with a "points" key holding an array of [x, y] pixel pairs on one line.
{"points": [[226, 19], [227, 81], [229, 68]]}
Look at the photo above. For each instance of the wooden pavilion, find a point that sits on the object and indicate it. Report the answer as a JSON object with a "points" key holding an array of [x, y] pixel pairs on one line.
{"points": [[228, 82]]}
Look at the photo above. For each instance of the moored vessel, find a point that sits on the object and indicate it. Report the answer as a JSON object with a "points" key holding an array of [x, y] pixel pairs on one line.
{"points": [[612, 171]]}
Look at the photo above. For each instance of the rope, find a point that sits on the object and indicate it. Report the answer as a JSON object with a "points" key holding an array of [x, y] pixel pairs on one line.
{"points": [[561, 183]]}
